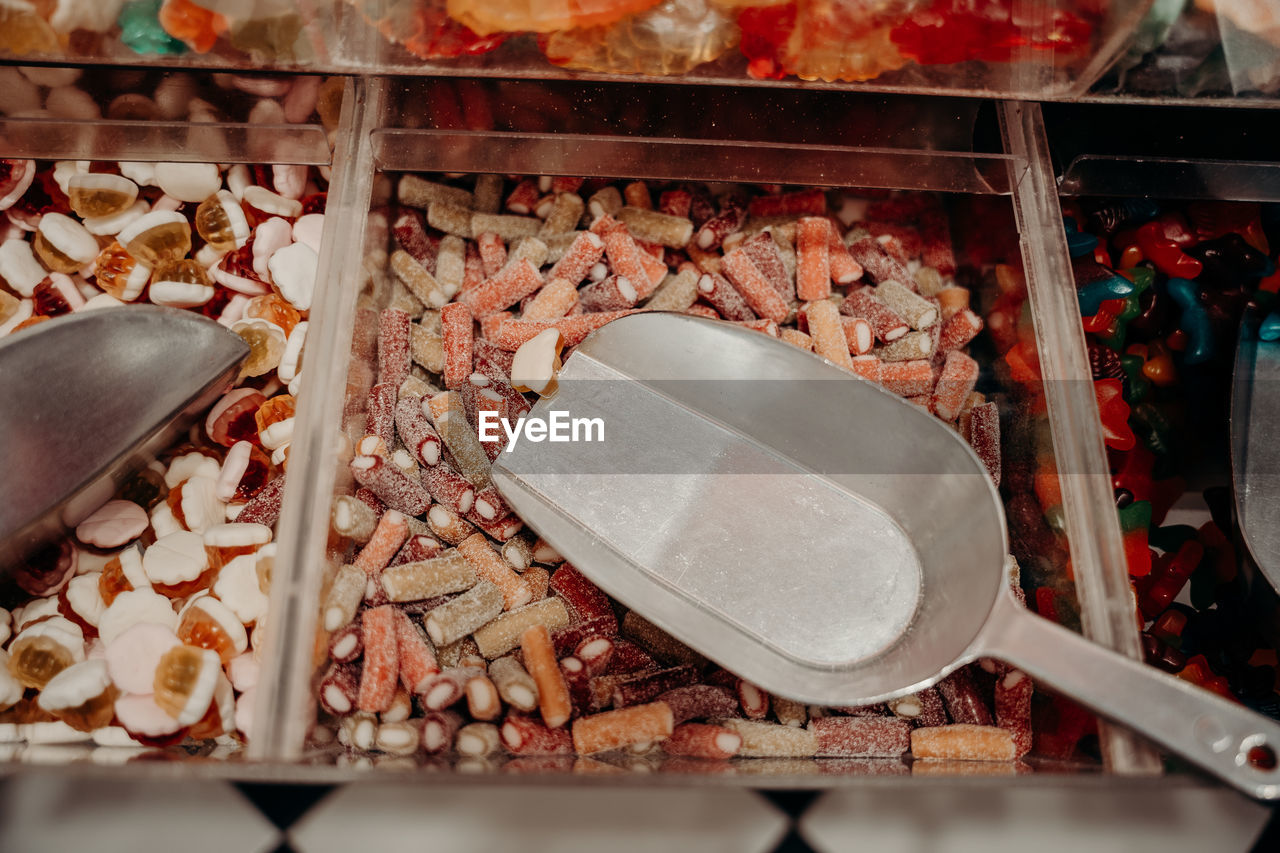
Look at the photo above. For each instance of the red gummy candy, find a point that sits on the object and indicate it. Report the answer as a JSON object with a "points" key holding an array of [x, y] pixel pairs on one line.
{"points": [[1113, 411], [764, 31]]}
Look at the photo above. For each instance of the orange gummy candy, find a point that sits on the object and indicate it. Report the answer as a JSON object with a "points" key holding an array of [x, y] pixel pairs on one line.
{"points": [[197, 26], [541, 16]]}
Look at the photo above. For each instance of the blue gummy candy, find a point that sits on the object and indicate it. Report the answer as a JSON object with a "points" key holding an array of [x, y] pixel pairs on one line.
{"points": [[1093, 294], [1269, 328], [1078, 242], [1195, 321]]}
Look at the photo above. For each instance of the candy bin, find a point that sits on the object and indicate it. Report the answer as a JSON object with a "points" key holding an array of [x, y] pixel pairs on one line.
{"points": [[145, 628], [439, 632]]}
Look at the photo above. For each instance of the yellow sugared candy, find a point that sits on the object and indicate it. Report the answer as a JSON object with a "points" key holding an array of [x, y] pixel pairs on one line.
{"points": [[157, 236], [220, 222], [100, 194], [484, 17]]}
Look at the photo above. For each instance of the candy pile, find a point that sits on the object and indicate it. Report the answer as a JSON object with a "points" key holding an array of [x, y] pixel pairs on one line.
{"points": [[1162, 289], [146, 626], [451, 629]]}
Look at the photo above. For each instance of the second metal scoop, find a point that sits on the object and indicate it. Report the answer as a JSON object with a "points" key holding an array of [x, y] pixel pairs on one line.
{"points": [[87, 398], [814, 534]]}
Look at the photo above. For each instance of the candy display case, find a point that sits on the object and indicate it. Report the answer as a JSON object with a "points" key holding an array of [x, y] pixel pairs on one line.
{"points": [[144, 628], [896, 204]]}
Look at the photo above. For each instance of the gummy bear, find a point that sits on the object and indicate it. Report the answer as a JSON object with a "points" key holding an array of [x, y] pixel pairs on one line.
{"points": [[541, 16], [844, 40], [668, 39], [140, 29], [426, 30], [1195, 321], [23, 31]]}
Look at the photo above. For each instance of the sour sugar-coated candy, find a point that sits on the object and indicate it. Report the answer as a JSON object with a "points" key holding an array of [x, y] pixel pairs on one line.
{"points": [[763, 298], [615, 729], [380, 672], [417, 659], [702, 740], [553, 694], [525, 735], [462, 615], [491, 567], [443, 575], [964, 741], [772, 740], [858, 737], [829, 339]]}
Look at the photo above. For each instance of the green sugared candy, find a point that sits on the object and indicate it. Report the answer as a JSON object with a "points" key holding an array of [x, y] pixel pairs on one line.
{"points": [[1136, 516]]}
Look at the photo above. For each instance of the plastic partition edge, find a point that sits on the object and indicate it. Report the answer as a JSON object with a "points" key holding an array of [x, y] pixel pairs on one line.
{"points": [[1097, 549], [285, 705], [1171, 177]]}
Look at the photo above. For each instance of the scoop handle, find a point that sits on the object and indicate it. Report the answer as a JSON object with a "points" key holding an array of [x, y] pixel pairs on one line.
{"points": [[1226, 739]]}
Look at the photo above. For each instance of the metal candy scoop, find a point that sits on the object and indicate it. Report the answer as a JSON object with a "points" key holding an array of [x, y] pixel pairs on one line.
{"points": [[1255, 451], [87, 398], [814, 533]]}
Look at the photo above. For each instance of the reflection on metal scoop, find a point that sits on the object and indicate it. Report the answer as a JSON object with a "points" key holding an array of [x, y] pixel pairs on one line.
{"points": [[87, 398], [815, 534], [1255, 452]]}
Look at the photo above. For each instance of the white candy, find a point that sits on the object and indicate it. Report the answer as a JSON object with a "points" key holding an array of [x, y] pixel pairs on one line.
{"points": [[307, 229], [167, 203], [189, 181], [234, 464], [36, 609], [179, 294], [69, 237], [289, 179], [301, 101], [535, 363], [17, 93], [200, 505], [85, 597], [142, 174], [70, 102], [51, 77], [237, 535], [266, 111], [65, 170], [132, 657], [140, 713], [96, 16], [74, 686], [238, 180], [174, 95], [280, 455], [66, 287], [277, 435], [20, 315], [293, 271], [291, 358], [238, 588], [131, 568], [271, 203], [163, 521], [134, 607], [271, 236], [5, 630], [155, 218], [244, 710], [206, 256], [235, 217], [243, 671], [194, 464], [176, 558], [59, 629], [19, 267], [233, 310], [113, 524], [114, 223], [225, 619], [118, 740]]}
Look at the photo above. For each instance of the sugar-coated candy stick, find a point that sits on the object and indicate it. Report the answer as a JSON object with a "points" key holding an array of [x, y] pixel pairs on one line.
{"points": [[573, 329], [595, 653], [456, 325], [874, 259], [500, 529], [658, 227], [264, 507], [861, 737], [352, 518], [448, 525], [605, 202], [451, 219], [381, 668], [411, 235], [460, 438], [509, 286], [358, 730], [461, 615], [700, 702], [388, 536], [858, 335], [504, 632], [964, 741], [564, 214], [959, 330], [419, 192], [489, 504], [1013, 708], [490, 566], [414, 428], [763, 252], [567, 639], [426, 348], [583, 598], [446, 687], [615, 729], [380, 412], [540, 659], [952, 300], [506, 227], [346, 644], [753, 701], [449, 488], [829, 339], [579, 682], [623, 253], [421, 283], [727, 300], [984, 437], [963, 701], [676, 292], [397, 737], [515, 685], [759, 294], [702, 740], [614, 293], [887, 325], [713, 232], [523, 199], [393, 346], [644, 687], [919, 312], [811, 202], [637, 195], [553, 301], [772, 740], [493, 252], [477, 740], [583, 253], [438, 730], [538, 578], [906, 378], [443, 575], [844, 269], [909, 347], [518, 552], [956, 382], [525, 735], [656, 642], [483, 702], [345, 595], [340, 688], [813, 270], [392, 486], [799, 339], [790, 712]]}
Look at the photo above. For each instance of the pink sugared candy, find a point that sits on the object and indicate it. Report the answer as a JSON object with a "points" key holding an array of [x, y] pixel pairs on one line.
{"points": [[115, 523], [133, 656]]}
